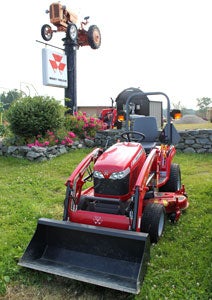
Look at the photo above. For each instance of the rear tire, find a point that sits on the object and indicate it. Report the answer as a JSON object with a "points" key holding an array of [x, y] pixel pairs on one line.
{"points": [[94, 37], [153, 221], [174, 182]]}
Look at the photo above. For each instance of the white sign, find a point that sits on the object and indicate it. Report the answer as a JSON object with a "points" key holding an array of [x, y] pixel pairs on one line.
{"points": [[54, 67]]}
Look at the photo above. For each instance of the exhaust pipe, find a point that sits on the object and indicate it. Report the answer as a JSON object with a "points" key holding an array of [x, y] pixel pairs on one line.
{"points": [[111, 258]]}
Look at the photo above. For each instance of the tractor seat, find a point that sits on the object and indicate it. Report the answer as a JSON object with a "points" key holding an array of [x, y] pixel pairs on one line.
{"points": [[147, 126]]}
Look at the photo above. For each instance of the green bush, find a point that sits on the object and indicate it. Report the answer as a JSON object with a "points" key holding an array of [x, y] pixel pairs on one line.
{"points": [[2, 130], [30, 117]]}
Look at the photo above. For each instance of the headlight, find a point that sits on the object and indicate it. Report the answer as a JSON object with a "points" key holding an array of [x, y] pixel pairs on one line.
{"points": [[98, 174], [119, 175]]}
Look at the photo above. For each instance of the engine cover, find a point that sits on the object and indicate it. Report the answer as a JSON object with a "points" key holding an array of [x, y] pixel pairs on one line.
{"points": [[116, 170]]}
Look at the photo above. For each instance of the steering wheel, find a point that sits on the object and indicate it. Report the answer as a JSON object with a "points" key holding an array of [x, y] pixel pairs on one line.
{"points": [[129, 136]]}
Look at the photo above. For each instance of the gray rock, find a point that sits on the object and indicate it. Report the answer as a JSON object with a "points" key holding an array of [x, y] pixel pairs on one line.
{"points": [[201, 151], [189, 150], [80, 146], [31, 155], [62, 150], [12, 149], [180, 146], [196, 146], [189, 141], [23, 150], [39, 149], [202, 141], [89, 143]]}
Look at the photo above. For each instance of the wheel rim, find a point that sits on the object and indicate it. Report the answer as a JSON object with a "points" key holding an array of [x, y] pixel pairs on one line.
{"points": [[96, 37], [161, 225], [73, 32], [47, 32]]}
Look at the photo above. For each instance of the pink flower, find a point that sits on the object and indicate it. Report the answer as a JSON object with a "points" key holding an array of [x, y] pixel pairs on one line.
{"points": [[71, 134], [30, 145], [69, 141]]}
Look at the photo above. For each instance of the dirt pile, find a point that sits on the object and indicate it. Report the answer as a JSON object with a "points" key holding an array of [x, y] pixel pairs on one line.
{"points": [[190, 119]]}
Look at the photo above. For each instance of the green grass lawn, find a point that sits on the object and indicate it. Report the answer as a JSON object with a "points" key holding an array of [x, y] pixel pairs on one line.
{"points": [[181, 263], [207, 125]]}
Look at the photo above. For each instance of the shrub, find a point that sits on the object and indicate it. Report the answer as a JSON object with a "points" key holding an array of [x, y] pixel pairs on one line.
{"points": [[2, 130], [30, 117]]}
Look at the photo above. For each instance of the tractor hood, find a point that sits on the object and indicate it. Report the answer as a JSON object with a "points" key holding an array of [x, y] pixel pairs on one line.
{"points": [[119, 157]]}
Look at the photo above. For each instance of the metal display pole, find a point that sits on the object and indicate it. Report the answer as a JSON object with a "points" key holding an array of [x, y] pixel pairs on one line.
{"points": [[71, 90]]}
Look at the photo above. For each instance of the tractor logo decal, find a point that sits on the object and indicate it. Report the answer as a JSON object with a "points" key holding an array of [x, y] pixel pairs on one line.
{"points": [[105, 173], [97, 220], [57, 63]]}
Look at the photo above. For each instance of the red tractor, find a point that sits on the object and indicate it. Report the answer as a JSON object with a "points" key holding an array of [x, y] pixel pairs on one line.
{"points": [[107, 226], [65, 21]]}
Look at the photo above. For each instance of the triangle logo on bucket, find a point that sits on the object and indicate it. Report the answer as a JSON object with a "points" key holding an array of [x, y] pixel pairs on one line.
{"points": [[54, 68]]}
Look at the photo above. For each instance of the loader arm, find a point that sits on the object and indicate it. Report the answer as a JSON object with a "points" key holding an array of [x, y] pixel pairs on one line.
{"points": [[141, 188], [76, 181]]}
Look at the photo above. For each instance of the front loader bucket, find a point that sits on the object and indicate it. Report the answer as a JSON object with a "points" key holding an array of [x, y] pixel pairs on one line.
{"points": [[116, 259]]}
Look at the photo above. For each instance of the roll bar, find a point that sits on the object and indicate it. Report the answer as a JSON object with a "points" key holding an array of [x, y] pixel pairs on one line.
{"points": [[168, 125]]}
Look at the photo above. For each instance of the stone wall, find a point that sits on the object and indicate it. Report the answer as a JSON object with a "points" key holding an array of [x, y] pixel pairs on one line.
{"points": [[195, 141], [38, 153], [192, 141]]}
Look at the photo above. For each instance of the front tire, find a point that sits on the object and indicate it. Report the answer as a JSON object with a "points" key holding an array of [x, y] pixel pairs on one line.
{"points": [[153, 221], [46, 32]]}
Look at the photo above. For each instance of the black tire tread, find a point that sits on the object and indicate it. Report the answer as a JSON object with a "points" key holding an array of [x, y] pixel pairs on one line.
{"points": [[150, 220], [43, 32], [172, 184], [91, 41]]}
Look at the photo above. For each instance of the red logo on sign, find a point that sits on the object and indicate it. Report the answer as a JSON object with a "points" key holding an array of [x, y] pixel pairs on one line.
{"points": [[56, 63]]}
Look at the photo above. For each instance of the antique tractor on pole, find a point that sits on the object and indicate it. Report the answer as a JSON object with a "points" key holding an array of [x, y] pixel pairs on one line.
{"points": [[65, 21]]}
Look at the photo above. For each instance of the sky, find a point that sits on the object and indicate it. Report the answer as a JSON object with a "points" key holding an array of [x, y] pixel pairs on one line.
{"points": [[156, 45]]}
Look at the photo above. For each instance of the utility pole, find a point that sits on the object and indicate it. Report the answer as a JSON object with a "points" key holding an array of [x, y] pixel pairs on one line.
{"points": [[70, 47]]}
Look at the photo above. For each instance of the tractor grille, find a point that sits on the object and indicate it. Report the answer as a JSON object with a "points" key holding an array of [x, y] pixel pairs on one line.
{"points": [[112, 187], [54, 11]]}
